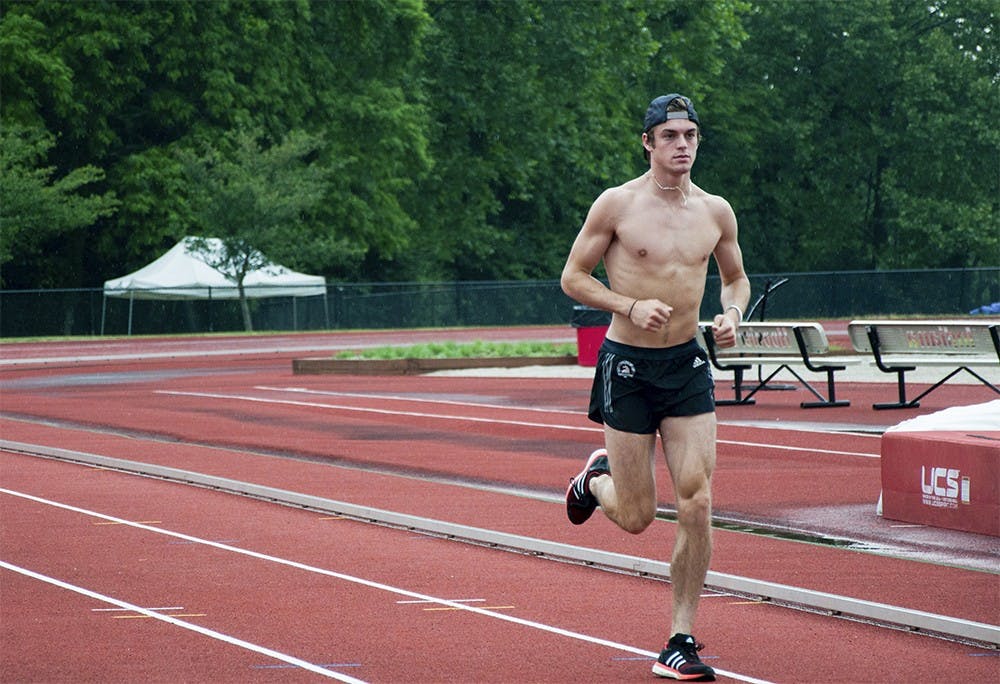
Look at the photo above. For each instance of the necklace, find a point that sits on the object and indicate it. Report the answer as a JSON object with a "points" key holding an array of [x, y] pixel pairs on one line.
{"points": [[678, 188]]}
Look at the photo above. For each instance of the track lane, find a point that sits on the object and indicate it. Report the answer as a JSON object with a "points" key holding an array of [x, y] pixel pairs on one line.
{"points": [[526, 447], [349, 577], [86, 397], [299, 602], [820, 568]]}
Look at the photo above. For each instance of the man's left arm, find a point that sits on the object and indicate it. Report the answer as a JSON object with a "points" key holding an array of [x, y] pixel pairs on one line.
{"points": [[735, 293]]}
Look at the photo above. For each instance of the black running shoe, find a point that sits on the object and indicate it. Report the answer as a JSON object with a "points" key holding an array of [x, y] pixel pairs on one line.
{"points": [[580, 503], [679, 660]]}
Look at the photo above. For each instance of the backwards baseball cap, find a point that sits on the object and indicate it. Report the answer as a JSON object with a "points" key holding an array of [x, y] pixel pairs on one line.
{"points": [[657, 112]]}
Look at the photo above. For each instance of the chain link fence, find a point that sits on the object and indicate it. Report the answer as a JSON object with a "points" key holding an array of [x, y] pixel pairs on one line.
{"points": [[844, 294]]}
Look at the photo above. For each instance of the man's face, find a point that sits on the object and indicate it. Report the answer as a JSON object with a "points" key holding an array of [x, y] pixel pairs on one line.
{"points": [[673, 144]]}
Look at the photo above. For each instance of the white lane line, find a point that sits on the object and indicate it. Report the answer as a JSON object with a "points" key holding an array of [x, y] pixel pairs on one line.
{"points": [[346, 578], [418, 400], [211, 633], [811, 450], [411, 602], [112, 610], [386, 412], [479, 419]]}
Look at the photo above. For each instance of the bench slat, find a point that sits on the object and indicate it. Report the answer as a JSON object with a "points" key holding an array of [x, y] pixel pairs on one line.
{"points": [[943, 360], [967, 338], [777, 338], [900, 346], [785, 344]]}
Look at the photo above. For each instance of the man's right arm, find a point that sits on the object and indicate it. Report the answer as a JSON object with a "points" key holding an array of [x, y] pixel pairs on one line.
{"points": [[588, 249]]}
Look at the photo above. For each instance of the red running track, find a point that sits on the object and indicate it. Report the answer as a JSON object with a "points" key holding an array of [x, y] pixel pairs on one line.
{"points": [[393, 454]]}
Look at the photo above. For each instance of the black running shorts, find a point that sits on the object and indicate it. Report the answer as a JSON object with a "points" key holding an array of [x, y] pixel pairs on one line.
{"points": [[636, 387]]}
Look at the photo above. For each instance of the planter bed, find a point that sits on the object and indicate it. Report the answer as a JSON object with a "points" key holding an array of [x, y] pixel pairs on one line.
{"points": [[417, 366]]}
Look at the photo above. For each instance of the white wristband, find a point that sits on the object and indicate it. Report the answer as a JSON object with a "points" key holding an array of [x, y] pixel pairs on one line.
{"points": [[738, 310]]}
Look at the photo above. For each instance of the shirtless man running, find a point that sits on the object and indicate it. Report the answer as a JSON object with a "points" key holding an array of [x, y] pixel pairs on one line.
{"points": [[655, 234]]}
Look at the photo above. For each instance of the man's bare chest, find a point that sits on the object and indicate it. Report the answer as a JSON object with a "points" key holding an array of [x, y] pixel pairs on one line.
{"points": [[666, 239]]}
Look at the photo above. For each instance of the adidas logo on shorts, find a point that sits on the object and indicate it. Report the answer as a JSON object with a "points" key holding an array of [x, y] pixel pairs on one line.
{"points": [[698, 361]]}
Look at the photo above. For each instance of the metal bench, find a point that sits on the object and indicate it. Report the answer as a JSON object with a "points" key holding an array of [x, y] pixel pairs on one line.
{"points": [[785, 344], [901, 346]]}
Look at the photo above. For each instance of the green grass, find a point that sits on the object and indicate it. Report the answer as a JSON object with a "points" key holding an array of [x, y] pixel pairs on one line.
{"points": [[463, 350]]}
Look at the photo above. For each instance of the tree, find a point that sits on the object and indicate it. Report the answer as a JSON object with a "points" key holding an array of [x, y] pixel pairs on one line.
{"points": [[861, 135], [255, 198], [126, 84], [466, 140], [362, 60], [536, 108], [33, 205]]}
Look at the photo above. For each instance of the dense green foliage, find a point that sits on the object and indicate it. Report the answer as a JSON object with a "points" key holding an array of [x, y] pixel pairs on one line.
{"points": [[381, 140], [865, 134], [34, 208]]}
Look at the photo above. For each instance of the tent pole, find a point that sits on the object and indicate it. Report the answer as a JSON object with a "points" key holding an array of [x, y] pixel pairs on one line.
{"points": [[131, 301], [104, 312]]}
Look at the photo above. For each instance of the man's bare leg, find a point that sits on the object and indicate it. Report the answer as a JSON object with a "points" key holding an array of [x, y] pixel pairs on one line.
{"points": [[689, 445], [628, 495], [621, 480]]}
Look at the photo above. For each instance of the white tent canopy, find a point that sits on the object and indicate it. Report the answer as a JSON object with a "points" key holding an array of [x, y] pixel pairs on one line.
{"points": [[184, 273]]}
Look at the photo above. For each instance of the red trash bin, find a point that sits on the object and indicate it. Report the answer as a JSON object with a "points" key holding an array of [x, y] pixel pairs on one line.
{"points": [[591, 327]]}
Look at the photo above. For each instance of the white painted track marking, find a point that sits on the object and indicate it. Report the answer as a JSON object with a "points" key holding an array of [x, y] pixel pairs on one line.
{"points": [[418, 400], [211, 633], [387, 412], [329, 573], [479, 419]]}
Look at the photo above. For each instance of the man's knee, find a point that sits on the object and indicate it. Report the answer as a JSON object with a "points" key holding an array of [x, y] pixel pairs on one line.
{"points": [[695, 511], [637, 519]]}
